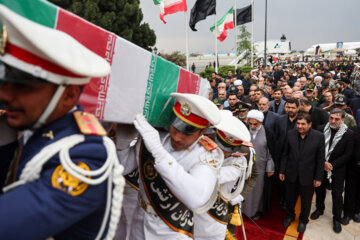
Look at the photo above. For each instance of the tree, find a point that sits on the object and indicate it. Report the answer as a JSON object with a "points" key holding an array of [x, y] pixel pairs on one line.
{"points": [[175, 57], [244, 45], [122, 17]]}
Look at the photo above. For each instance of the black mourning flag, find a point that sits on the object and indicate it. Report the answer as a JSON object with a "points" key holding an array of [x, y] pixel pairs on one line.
{"points": [[200, 11], [243, 15]]}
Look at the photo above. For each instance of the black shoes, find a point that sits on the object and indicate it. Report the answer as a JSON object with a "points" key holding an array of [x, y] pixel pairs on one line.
{"points": [[301, 227], [287, 221], [336, 226], [345, 220], [316, 214], [256, 217], [356, 217]]}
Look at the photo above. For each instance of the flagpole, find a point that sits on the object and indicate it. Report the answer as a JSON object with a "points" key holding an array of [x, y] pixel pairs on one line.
{"points": [[235, 25], [216, 46], [186, 40], [252, 33]]}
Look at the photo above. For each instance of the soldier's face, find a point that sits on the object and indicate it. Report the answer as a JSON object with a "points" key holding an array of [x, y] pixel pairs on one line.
{"points": [[24, 103], [181, 141]]}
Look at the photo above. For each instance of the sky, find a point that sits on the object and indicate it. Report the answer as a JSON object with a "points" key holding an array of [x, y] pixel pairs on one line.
{"points": [[304, 23]]}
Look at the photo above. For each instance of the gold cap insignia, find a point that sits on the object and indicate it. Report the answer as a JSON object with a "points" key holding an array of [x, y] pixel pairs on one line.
{"points": [[3, 39], [185, 109], [229, 139], [64, 181]]}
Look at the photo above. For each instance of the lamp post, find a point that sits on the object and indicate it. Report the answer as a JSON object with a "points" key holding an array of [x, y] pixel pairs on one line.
{"points": [[265, 34], [155, 50]]}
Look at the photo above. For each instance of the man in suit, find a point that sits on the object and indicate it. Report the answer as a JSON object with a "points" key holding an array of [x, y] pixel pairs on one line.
{"points": [[302, 165], [269, 117], [278, 103], [283, 124], [339, 147], [352, 186], [319, 116]]}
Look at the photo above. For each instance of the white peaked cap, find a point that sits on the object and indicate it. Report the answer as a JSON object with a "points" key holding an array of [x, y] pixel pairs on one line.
{"points": [[192, 104], [51, 54], [233, 127]]}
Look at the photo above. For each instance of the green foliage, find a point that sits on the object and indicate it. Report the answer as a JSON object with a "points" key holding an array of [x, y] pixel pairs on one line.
{"points": [[244, 44], [223, 70], [175, 57], [122, 17]]}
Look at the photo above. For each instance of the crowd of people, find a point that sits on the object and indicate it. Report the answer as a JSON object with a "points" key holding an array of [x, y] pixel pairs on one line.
{"points": [[62, 177], [311, 114]]}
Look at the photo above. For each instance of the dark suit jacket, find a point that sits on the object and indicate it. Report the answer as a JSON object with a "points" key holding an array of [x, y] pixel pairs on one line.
{"points": [[307, 165], [269, 120], [280, 134], [318, 117], [281, 106], [343, 151]]}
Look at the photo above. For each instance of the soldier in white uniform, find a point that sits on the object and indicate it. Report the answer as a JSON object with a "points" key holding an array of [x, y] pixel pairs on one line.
{"points": [[178, 170], [230, 135]]}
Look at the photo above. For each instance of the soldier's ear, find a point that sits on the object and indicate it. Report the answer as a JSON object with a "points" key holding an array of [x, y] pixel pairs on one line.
{"points": [[71, 95]]}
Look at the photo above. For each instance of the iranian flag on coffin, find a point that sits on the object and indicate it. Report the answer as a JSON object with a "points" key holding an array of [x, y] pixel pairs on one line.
{"points": [[225, 23], [170, 7], [140, 82]]}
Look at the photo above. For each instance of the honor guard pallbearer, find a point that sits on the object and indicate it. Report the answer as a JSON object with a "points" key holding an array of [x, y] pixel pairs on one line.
{"points": [[178, 170], [65, 181], [231, 133]]}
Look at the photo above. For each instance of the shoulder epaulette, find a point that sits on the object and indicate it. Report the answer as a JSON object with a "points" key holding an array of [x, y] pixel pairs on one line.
{"points": [[88, 124], [207, 143]]}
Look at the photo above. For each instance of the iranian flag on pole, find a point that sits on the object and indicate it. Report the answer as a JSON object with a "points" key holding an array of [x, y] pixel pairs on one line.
{"points": [[225, 23], [139, 82], [170, 7]]}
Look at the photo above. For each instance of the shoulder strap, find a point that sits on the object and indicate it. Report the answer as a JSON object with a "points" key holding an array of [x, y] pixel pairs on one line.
{"points": [[207, 143]]}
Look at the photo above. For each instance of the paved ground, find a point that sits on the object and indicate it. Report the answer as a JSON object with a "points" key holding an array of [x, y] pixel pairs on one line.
{"points": [[321, 229]]}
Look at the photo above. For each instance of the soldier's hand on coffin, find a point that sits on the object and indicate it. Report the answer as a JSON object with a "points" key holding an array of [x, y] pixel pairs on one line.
{"points": [[149, 134]]}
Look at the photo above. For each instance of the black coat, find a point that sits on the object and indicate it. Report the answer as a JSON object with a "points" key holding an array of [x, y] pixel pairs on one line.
{"points": [[343, 151], [269, 120], [356, 150], [318, 117], [280, 137], [307, 165]]}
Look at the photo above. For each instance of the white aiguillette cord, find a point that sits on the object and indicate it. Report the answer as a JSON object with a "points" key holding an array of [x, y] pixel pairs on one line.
{"points": [[111, 170]]}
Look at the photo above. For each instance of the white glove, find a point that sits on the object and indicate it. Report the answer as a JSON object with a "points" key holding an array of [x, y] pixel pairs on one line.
{"points": [[236, 200], [150, 136]]}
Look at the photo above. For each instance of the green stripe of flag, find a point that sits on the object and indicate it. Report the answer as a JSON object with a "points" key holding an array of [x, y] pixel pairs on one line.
{"points": [[221, 20], [46, 12], [163, 80], [157, 2]]}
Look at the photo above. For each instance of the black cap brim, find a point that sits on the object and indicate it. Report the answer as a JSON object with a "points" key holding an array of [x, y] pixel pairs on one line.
{"points": [[12, 74], [183, 127], [226, 147]]}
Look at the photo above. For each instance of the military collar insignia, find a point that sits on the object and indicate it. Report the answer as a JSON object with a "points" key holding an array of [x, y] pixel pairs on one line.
{"points": [[3, 39], [185, 109], [50, 135]]}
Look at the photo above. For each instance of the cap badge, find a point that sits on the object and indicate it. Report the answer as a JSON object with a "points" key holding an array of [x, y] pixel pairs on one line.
{"points": [[229, 139], [185, 109], [3, 39]]}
